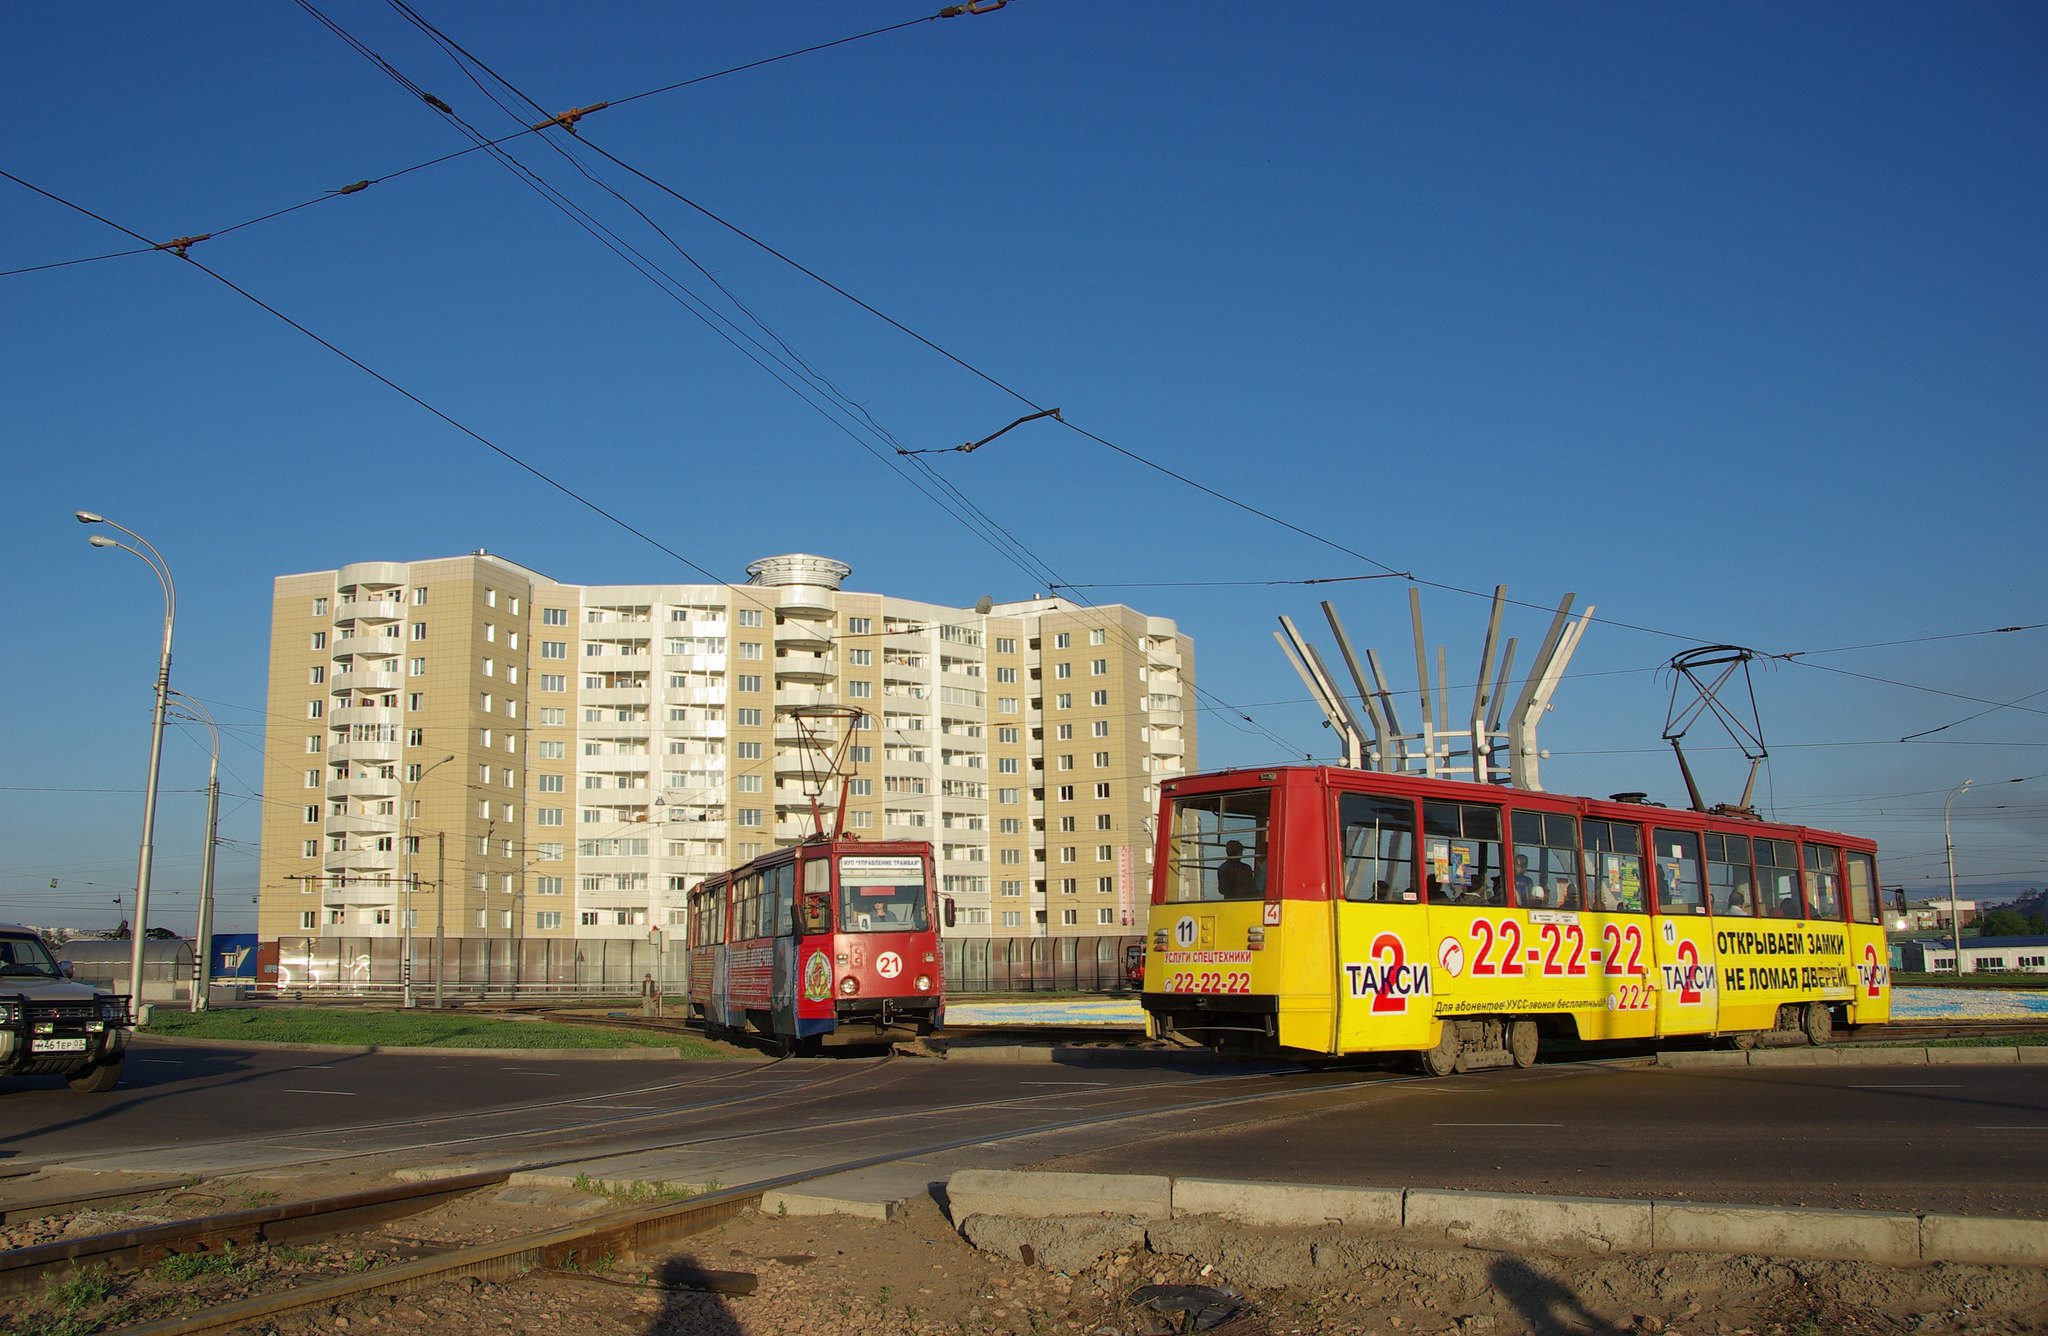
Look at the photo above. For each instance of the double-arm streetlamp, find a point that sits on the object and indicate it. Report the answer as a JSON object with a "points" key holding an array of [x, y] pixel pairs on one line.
{"points": [[155, 561], [1955, 910]]}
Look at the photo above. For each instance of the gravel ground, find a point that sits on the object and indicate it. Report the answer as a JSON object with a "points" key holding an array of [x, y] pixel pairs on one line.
{"points": [[919, 1277]]}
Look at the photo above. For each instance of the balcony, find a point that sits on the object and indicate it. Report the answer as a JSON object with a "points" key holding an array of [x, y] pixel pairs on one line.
{"points": [[806, 668], [362, 786], [362, 714], [373, 610], [602, 697], [370, 752], [365, 679]]}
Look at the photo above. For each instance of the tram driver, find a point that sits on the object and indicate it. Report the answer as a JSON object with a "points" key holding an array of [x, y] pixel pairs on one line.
{"points": [[1234, 879]]}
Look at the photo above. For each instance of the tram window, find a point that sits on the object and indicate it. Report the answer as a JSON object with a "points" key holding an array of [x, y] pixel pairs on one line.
{"points": [[778, 913], [1546, 860], [1777, 877], [1218, 848], [1823, 882], [883, 894], [1864, 905], [1678, 873], [1461, 842], [1378, 850], [1731, 884], [1614, 866]]}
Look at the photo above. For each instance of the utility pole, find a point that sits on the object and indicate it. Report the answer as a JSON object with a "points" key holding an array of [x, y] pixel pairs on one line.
{"points": [[440, 914]]}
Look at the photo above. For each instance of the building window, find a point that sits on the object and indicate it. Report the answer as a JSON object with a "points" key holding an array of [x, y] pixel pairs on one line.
{"points": [[1102, 790], [1062, 640], [548, 919], [747, 682], [1063, 670], [860, 690], [1105, 916], [1069, 917], [547, 816], [746, 717], [747, 816], [1063, 701], [1098, 698], [319, 640], [554, 649], [554, 616], [859, 626], [416, 667], [1101, 728], [320, 607]]}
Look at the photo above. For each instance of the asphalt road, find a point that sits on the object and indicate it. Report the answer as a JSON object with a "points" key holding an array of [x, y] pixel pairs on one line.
{"points": [[1953, 1138]]}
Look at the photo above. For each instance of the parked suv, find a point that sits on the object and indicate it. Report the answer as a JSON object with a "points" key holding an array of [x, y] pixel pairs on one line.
{"points": [[53, 1026]]}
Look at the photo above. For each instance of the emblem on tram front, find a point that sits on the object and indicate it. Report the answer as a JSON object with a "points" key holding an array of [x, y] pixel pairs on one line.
{"points": [[817, 977]]}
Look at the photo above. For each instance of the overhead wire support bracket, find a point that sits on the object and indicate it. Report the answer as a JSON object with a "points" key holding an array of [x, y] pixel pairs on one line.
{"points": [[183, 244], [972, 446], [975, 7], [567, 120]]}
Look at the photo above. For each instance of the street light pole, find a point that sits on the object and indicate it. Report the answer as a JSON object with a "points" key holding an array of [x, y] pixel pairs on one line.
{"points": [[1955, 910], [407, 877], [155, 561], [202, 944]]}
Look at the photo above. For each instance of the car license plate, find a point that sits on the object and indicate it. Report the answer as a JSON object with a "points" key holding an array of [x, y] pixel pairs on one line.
{"points": [[60, 1046]]}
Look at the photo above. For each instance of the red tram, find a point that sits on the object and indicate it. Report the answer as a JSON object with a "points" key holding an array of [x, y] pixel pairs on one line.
{"points": [[830, 942]]}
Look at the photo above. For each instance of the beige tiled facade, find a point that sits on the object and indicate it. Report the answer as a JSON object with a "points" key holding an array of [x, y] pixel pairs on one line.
{"points": [[541, 760]]}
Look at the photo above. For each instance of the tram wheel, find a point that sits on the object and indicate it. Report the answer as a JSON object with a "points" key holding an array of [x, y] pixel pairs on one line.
{"points": [[1522, 1040], [1442, 1060], [1819, 1023]]}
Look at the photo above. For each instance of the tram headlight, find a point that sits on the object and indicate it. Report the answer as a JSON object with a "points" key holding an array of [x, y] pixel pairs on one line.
{"points": [[848, 986], [924, 983]]}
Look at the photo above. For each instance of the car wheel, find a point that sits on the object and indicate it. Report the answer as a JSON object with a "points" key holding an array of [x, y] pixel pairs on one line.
{"points": [[97, 1079]]}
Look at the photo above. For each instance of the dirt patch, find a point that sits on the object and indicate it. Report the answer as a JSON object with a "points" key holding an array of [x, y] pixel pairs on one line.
{"points": [[918, 1276]]}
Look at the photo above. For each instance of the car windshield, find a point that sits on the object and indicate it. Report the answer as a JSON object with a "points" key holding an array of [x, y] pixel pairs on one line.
{"points": [[26, 955]]}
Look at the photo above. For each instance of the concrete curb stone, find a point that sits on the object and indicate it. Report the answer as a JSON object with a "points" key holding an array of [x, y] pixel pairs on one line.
{"points": [[1845, 1236], [1286, 1204], [1983, 1241], [1971, 1057], [1014, 1192], [1594, 1225], [1567, 1224]]}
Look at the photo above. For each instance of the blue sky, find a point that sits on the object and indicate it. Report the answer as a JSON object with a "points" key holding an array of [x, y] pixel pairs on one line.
{"points": [[1729, 319]]}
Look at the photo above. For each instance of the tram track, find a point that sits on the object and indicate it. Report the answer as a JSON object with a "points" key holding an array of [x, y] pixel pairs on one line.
{"points": [[622, 1233]]}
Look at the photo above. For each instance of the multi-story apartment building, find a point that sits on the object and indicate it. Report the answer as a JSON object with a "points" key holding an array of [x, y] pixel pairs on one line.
{"points": [[542, 760]]}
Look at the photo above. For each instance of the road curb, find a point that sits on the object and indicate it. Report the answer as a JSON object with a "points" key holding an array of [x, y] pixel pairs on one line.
{"points": [[1852, 1057], [1590, 1225]]}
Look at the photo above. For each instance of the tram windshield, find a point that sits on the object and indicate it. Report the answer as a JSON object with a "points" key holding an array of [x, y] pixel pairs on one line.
{"points": [[1218, 846], [883, 893]]}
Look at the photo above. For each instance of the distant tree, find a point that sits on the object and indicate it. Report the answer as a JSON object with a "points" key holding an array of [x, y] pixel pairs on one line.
{"points": [[2037, 924], [2003, 923]]}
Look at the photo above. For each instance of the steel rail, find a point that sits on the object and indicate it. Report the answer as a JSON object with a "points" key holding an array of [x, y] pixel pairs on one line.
{"points": [[623, 1233]]}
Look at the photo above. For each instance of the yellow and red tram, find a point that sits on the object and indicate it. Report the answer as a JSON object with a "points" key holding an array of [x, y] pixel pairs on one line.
{"points": [[1321, 910], [833, 941]]}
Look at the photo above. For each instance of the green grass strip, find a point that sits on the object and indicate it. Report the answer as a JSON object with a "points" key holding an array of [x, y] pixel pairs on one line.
{"points": [[394, 1029]]}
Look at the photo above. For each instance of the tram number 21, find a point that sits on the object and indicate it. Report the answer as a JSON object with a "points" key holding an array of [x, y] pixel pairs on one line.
{"points": [[1209, 981]]}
